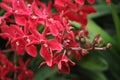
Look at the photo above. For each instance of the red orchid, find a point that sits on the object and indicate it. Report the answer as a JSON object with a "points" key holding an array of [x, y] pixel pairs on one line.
{"points": [[47, 46], [63, 63], [25, 14], [55, 26], [3, 73], [46, 54], [20, 23], [81, 2], [6, 15], [81, 15], [6, 63], [75, 12], [6, 7], [23, 71], [22, 11], [5, 67], [18, 39], [46, 18], [67, 40]]}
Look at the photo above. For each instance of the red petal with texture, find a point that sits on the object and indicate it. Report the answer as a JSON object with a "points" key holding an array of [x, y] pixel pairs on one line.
{"points": [[76, 17], [6, 15], [58, 58], [5, 35], [88, 9], [21, 62], [21, 7], [46, 55], [108, 1], [21, 76], [19, 46], [53, 29], [5, 7], [91, 1], [3, 58], [59, 26], [77, 55], [5, 28], [31, 50], [63, 66], [59, 3], [30, 74], [33, 23], [54, 45], [81, 2], [19, 19]]}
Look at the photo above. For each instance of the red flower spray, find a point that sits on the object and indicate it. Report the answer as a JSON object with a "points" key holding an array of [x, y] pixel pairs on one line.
{"points": [[57, 41]]}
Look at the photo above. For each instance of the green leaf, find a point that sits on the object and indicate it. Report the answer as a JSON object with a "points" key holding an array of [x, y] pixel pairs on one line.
{"points": [[94, 29], [74, 24], [40, 28], [116, 21], [44, 73], [1, 11], [102, 9], [61, 77], [94, 62], [99, 76]]}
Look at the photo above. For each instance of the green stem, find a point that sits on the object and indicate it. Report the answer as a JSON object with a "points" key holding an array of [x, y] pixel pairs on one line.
{"points": [[15, 74]]}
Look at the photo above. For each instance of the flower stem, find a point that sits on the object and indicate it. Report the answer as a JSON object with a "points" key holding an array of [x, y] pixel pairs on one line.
{"points": [[7, 51], [15, 73]]}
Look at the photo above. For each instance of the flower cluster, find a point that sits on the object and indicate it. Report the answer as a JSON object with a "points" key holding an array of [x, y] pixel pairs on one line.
{"points": [[7, 67], [58, 39]]}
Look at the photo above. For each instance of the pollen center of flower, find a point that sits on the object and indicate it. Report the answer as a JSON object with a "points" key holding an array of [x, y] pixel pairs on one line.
{"points": [[26, 72], [4, 66], [28, 40], [45, 45], [29, 5], [81, 13], [50, 20], [17, 43], [67, 40], [18, 2], [34, 17], [16, 11]]}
